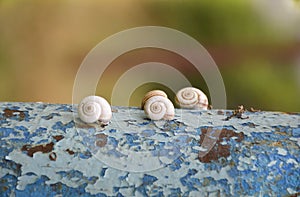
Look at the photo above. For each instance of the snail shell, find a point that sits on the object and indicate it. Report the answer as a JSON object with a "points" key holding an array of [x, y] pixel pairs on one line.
{"points": [[151, 94], [159, 107], [191, 98], [94, 108]]}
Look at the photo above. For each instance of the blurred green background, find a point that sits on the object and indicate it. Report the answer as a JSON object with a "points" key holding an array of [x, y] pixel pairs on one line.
{"points": [[256, 45]]}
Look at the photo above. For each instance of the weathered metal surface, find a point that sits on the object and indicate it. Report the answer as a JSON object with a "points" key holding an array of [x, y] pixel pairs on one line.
{"points": [[47, 151]]}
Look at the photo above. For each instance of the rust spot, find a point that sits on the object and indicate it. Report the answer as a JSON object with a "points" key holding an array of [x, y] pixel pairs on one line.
{"points": [[83, 126], [102, 140], [8, 113], [254, 110], [291, 113], [52, 156], [58, 137], [295, 195], [277, 144], [70, 152], [44, 148], [220, 112], [98, 124], [4, 188], [238, 113], [219, 149]]}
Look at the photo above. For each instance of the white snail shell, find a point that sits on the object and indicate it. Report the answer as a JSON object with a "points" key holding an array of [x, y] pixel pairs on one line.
{"points": [[159, 107], [191, 98], [151, 94], [94, 108]]}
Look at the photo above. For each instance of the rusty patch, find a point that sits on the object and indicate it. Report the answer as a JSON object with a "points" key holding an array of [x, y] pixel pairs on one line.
{"points": [[220, 112], [8, 113], [70, 152], [291, 113], [217, 137], [238, 113], [102, 140], [277, 144], [92, 125], [254, 110], [295, 195], [44, 148], [58, 137], [52, 156], [84, 126]]}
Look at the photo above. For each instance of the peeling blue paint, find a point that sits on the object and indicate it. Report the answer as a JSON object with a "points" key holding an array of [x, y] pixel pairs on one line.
{"points": [[265, 163]]}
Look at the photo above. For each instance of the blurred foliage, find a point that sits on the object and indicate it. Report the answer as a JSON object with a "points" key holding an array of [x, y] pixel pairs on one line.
{"points": [[215, 22], [42, 44], [263, 86]]}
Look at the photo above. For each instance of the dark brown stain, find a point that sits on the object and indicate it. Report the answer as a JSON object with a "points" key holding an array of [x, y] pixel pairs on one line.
{"points": [[58, 137], [102, 140], [291, 113], [52, 156], [277, 144], [84, 126], [44, 148], [8, 113], [220, 112], [295, 195], [254, 110], [238, 113], [93, 125], [70, 152], [218, 150], [4, 188]]}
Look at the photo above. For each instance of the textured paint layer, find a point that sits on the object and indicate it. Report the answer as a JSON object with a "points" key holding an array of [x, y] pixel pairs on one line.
{"points": [[47, 151]]}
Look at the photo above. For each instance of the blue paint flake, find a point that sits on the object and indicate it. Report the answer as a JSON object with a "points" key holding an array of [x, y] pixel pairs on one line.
{"points": [[102, 173], [190, 182], [296, 132], [113, 141], [122, 178], [148, 179], [112, 130], [60, 126], [21, 128], [5, 132], [176, 165], [85, 155], [175, 192]]}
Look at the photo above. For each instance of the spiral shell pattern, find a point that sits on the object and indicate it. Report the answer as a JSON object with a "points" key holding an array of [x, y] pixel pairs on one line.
{"points": [[191, 98], [94, 108], [159, 107], [151, 94]]}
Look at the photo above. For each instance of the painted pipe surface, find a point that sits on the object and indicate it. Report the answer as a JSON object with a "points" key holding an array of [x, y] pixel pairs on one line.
{"points": [[47, 151]]}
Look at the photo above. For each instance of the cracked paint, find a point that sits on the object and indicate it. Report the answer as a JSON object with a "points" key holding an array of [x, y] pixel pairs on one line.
{"points": [[45, 151]]}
